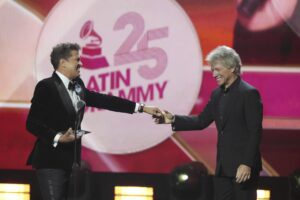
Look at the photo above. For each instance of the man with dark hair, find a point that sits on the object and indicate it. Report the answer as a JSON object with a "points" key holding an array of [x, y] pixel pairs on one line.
{"points": [[236, 108], [62, 51], [53, 116]]}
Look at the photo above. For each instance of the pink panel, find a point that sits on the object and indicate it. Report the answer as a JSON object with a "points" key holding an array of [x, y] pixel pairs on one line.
{"points": [[280, 92]]}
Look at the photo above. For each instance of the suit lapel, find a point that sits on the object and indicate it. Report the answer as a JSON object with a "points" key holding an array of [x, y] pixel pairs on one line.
{"points": [[64, 95]]}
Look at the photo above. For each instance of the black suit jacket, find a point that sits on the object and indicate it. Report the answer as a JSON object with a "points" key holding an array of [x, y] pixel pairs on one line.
{"points": [[52, 111], [239, 134]]}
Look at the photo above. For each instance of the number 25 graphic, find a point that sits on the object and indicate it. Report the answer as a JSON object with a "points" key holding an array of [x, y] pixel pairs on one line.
{"points": [[125, 54]]}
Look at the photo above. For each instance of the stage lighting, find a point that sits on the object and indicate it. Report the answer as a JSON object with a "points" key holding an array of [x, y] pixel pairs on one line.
{"points": [[263, 194], [186, 181], [294, 181], [133, 193], [14, 191]]}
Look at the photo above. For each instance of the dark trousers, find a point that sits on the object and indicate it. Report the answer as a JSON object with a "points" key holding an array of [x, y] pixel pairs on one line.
{"points": [[227, 189], [53, 183]]}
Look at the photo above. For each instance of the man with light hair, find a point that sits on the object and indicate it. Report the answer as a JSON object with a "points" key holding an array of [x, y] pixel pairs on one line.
{"points": [[227, 56], [236, 108]]}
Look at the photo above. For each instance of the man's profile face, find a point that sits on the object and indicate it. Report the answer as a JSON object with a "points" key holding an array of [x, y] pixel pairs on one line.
{"points": [[223, 76], [71, 65]]}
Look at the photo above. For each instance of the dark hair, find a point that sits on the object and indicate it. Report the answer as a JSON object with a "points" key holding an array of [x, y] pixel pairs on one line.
{"points": [[62, 51]]}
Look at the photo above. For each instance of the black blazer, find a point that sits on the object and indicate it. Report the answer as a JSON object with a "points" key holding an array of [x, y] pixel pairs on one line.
{"points": [[239, 134], [52, 111]]}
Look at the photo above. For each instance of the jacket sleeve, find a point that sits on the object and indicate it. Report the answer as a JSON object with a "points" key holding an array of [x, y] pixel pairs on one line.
{"points": [[203, 120], [253, 115], [109, 102], [36, 120]]}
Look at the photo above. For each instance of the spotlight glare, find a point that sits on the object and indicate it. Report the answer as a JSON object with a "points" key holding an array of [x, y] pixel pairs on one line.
{"points": [[263, 194], [183, 177], [14, 191], [133, 193]]}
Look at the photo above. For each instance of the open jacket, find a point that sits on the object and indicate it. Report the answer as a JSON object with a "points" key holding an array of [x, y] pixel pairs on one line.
{"points": [[239, 134], [52, 112]]}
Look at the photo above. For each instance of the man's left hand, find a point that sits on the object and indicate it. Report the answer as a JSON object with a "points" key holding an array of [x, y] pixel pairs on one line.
{"points": [[243, 173]]}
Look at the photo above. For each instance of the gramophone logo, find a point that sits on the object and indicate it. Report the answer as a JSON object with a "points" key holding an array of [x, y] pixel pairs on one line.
{"points": [[145, 51], [91, 56]]}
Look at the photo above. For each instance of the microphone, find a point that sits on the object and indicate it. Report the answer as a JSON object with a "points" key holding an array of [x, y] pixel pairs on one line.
{"points": [[77, 89], [80, 105], [79, 115]]}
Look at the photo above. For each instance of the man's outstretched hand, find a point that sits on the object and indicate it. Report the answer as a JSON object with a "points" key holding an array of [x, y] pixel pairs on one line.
{"points": [[160, 116], [152, 110], [165, 117]]}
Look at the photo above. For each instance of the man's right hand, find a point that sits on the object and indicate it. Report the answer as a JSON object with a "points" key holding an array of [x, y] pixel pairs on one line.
{"points": [[165, 118], [68, 136]]}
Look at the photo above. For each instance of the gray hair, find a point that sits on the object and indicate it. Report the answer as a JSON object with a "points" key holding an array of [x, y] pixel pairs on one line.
{"points": [[226, 56]]}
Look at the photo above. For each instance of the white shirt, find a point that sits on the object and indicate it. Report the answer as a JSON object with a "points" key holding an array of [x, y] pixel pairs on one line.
{"points": [[74, 97]]}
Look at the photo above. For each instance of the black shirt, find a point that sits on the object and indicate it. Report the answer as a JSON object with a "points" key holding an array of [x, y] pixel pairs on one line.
{"points": [[226, 93]]}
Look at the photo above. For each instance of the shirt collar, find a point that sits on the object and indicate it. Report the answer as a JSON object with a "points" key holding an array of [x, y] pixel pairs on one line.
{"points": [[63, 78], [233, 85]]}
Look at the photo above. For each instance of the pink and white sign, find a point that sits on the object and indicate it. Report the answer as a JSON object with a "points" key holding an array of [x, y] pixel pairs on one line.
{"points": [[17, 54], [146, 51]]}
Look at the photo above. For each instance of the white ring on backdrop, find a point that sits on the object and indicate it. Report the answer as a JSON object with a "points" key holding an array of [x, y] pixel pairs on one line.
{"points": [[167, 40]]}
